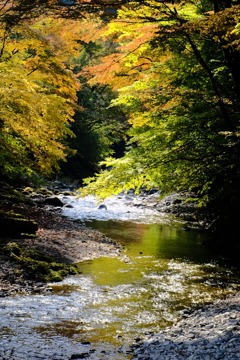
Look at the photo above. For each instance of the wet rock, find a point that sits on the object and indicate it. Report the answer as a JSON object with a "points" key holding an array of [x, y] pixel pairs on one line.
{"points": [[137, 202], [131, 191], [56, 192], [68, 193], [102, 207], [45, 191], [61, 186], [154, 191], [27, 191], [68, 206], [54, 201], [80, 356], [38, 199]]}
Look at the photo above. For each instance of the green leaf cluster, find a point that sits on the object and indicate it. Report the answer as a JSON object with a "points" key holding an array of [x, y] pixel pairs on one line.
{"points": [[183, 106]]}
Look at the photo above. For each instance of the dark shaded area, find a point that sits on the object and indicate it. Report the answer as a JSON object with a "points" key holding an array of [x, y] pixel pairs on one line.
{"points": [[98, 128], [225, 208], [15, 225]]}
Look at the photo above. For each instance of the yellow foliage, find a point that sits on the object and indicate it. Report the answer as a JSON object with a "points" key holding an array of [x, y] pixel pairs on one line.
{"points": [[37, 91]]}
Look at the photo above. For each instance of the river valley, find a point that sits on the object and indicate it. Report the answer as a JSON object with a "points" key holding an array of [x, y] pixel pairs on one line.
{"points": [[163, 270]]}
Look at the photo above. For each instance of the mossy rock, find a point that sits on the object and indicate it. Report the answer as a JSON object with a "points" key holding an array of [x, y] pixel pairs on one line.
{"points": [[68, 193], [46, 271], [55, 276], [11, 249], [38, 255], [14, 225], [27, 191], [45, 192], [35, 265], [10, 195], [56, 192]]}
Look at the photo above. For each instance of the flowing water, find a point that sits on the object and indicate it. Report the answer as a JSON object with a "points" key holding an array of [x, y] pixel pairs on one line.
{"points": [[163, 269]]}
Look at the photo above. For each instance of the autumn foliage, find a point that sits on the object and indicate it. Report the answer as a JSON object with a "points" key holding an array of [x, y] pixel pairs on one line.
{"points": [[176, 71], [38, 94], [172, 67]]}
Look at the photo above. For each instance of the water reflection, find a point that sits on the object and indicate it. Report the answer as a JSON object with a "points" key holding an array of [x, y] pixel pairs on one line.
{"points": [[162, 270], [158, 240]]}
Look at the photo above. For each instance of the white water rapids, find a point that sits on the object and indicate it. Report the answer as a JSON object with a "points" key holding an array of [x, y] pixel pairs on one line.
{"points": [[124, 208]]}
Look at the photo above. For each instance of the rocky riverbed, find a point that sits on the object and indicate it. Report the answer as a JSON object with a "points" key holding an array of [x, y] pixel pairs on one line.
{"points": [[209, 333], [63, 240]]}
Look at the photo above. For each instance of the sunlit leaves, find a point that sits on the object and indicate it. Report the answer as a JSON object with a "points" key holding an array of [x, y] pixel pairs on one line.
{"points": [[133, 55], [125, 173], [182, 102], [38, 95]]}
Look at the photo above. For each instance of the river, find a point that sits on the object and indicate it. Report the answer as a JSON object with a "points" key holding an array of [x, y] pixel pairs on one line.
{"points": [[98, 314]]}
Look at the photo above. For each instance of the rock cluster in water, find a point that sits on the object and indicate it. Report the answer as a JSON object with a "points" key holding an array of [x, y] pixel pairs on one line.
{"points": [[210, 333], [181, 205]]}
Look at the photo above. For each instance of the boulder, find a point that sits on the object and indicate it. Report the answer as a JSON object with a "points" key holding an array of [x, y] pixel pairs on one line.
{"points": [[53, 200]]}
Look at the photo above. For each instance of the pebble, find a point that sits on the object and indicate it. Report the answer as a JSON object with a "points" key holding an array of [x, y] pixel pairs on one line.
{"points": [[209, 333]]}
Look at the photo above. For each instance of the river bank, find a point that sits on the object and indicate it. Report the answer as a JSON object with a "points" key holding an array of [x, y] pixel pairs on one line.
{"points": [[209, 333], [63, 240]]}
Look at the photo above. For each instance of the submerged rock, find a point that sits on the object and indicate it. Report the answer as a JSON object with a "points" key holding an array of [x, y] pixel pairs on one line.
{"points": [[80, 356]]}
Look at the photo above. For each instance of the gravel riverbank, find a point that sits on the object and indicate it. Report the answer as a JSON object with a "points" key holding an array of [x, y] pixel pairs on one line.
{"points": [[209, 333], [64, 240]]}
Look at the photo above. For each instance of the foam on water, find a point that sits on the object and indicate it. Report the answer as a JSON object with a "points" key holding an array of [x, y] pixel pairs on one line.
{"points": [[125, 208]]}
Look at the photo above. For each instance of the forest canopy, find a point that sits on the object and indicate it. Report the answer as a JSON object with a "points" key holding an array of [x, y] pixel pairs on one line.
{"points": [[176, 70], [44, 99], [171, 68], [38, 96]]}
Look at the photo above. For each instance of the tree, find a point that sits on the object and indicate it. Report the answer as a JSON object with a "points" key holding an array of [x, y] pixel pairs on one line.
{"points": [[98, 128], [15, 12], [38, 97], [175, 66], [52, 53], [184, 104]]}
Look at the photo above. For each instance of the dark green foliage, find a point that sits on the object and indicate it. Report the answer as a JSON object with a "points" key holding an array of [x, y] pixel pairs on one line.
{"points": [[98, 126], [185, 110]]}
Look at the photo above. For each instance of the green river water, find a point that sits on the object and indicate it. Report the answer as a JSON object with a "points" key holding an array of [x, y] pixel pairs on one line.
{"points": [[162, 270]]}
